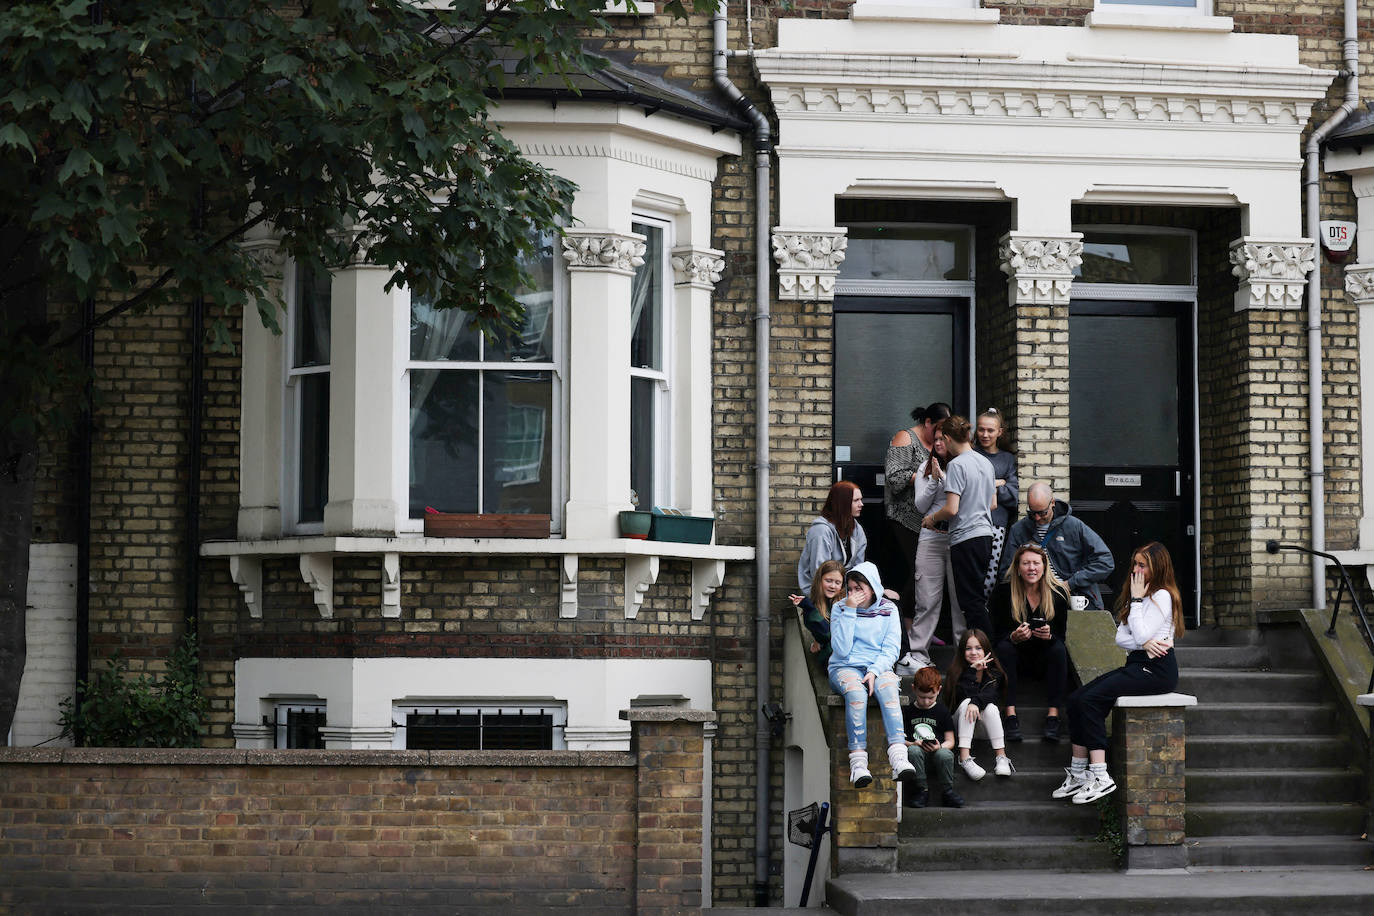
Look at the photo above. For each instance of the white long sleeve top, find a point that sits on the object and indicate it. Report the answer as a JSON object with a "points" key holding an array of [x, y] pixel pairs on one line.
{"points": [[1153, 618]]}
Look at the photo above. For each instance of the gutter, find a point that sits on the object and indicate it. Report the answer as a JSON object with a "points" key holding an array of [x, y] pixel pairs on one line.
{"points": [[763, 146], [1312, 217]]}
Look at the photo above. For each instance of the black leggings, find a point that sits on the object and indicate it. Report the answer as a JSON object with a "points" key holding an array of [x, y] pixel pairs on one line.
{"points": [[1048, 655], [1090, 704]]}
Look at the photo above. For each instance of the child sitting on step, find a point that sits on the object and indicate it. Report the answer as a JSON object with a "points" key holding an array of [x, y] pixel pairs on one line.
{"points": [[865, 635], [978, 679], [827, 587], [931, 744]]}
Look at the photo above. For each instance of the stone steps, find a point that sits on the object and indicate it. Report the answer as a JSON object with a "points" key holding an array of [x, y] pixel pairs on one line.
{"points": [[1289, 719], [1051, 853]]}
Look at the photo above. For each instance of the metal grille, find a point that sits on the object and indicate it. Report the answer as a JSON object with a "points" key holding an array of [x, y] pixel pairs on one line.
{"points": [[482, 728], [297, 726]]}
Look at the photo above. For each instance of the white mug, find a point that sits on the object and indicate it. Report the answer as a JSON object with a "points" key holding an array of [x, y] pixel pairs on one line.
{"points": [[1078, 602]]}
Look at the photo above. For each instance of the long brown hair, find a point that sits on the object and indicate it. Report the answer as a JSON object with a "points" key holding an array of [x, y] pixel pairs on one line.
{"points": [[956, 668], [1159, 574], [956, 428], [818, 598], [839, 506], [1049, 584]]}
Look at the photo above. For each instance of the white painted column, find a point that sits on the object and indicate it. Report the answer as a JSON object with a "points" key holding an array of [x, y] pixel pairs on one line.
{"points": [[695, 273], [367, 367], [264, 366], [1359, 285], [601, 264]]}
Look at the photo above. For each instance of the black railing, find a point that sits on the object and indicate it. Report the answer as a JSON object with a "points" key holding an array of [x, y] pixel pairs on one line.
{"points": [[479, 729], [296, 726], [1345, 586]]}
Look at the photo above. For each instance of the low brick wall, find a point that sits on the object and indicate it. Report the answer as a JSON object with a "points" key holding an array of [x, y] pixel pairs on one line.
{"points": [[1148, 747], [456, 831]]}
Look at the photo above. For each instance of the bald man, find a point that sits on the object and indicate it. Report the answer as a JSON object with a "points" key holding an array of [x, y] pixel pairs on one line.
{"points": [[1078, 555]]}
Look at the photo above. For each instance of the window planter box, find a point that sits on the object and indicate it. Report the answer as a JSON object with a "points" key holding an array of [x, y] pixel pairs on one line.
{"points": [[452, 525], [672, 525]]}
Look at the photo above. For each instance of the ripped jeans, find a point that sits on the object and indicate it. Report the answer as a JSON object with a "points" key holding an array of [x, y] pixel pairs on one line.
{"points": [[848, 682]]}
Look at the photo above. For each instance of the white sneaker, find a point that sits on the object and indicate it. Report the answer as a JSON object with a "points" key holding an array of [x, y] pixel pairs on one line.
{"points": [[1096, 787], [906, 665], [859, 777], [1072, 783], [901, 764], [972, 770], [1003, 766]]}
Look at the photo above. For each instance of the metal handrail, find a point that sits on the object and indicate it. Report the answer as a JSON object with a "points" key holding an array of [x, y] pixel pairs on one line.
{"points": [[1346, 586]]}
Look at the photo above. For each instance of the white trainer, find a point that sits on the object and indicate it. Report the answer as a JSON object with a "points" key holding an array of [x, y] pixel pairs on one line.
{"points": [[972, 770], [1097, 786], [1003, 766], [1072, 783], [902, 768], [859, 777]]}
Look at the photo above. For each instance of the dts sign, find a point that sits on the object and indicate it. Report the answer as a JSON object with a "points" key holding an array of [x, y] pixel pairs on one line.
{"points": [[1337, 238]]}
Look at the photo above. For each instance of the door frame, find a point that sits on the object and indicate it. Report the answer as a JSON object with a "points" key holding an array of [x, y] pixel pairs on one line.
{"points": [[1180, 302]]}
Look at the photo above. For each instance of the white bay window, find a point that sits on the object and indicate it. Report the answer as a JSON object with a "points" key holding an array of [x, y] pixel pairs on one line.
{"points": [[650, 402]]}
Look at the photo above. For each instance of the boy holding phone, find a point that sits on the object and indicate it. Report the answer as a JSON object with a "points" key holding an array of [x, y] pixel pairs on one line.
{"points": [[930, 744]]}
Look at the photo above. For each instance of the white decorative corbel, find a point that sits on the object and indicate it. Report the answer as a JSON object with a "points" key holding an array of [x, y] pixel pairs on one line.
{"points": [[391, 585], [640, 573], [567, 602], [808, 261], [1272, 274], [1040, 268], [707, 575], [317, 569], [247, 575]]}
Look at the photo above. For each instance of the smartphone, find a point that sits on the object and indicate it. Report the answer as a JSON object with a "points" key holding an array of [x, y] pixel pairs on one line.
{"points": [[1036, 623]]}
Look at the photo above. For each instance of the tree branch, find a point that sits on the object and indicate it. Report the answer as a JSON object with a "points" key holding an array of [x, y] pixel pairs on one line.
{"points": [[163, 279]]}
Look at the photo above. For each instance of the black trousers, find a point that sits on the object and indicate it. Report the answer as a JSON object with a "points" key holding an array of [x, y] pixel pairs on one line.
{"points": [[969, 560], [1036, 655], [1090, 704]]}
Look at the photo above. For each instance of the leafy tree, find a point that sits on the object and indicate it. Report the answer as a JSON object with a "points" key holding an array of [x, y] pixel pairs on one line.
{"points": [[140, 141]]}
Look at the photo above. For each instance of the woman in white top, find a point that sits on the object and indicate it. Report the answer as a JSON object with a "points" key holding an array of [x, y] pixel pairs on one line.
{"points": [[1147, 623], [934, 575]]}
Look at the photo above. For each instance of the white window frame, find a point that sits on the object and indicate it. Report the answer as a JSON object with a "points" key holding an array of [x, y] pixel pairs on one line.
{"points": [[664, 491], [291, 414], [558, 709], [1145, 8], [556, 366]]}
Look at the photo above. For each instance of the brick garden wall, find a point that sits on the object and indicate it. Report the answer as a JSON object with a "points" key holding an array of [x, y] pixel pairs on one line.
{"points": [[414, 830]]}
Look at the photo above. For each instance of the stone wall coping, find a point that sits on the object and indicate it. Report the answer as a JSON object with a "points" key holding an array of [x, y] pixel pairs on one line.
{"points": [[1365, 699], [1157, 699], [667, 714], [160, 756]]}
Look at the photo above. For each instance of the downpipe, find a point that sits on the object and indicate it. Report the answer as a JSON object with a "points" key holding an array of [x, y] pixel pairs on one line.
{"points": [[763, 145], [1312, 218]]}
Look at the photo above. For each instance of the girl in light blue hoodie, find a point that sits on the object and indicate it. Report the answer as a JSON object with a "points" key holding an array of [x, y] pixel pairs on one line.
{"points": [[865, 636]]}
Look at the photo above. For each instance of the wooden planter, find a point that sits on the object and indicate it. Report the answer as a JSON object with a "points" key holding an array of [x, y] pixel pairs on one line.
{"points": [[447, 525]]}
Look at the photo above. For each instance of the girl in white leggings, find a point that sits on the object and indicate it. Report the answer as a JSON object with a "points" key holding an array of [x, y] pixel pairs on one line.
{"points": [[977, 680]]}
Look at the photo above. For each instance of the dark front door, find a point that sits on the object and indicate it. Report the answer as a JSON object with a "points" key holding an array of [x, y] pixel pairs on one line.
{"points": [[891, 354], [1131, 442]]}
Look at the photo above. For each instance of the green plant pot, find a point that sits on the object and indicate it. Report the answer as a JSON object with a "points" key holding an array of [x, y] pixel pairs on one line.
{"points": [[635, 524]]}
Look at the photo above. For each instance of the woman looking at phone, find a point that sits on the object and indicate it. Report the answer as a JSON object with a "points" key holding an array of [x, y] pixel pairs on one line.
{"points": [[1031, 613]]}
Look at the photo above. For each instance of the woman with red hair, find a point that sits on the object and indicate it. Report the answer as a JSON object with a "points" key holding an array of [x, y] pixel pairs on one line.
{"points": [[835, 534]]}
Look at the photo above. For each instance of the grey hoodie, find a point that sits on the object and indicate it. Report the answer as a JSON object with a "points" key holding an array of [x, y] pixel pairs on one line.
{"points": [[1076, 552], [823, 543]]}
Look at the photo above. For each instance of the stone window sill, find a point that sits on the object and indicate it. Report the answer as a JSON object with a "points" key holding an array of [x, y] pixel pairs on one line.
{"points": [[316, 557], [1170, 22], [868, 10]]}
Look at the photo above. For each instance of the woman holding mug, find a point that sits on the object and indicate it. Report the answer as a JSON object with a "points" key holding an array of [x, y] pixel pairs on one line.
{"points": [[1031, 613]]}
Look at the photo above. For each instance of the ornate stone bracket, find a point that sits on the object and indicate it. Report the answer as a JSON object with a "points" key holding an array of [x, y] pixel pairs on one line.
{"points": [[247, 575], [567, 599], [1040, 268], [698, 267], [808, 262], [707, 576], [603, 250], [391, 585], [317, 569], [1272, 274], [1359, 283], [640, 573]]}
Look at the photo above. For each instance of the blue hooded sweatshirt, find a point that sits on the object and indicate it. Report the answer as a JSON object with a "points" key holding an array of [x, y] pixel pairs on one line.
{"points": [[866, 639]]}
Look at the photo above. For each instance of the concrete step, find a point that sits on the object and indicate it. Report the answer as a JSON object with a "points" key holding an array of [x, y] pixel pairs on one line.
{"points": [[1051, 853], [1027, 784], [1218, 636], [1221, 685], [1244, 657], [1266, 752], [1276, 892], [1269, 819], [1278, 785], [1279, 851], [1261, 718], [1005, 819]]}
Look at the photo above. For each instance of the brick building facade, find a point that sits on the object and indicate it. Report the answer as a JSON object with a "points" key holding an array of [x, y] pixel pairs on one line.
{"points": [[987, 134]]}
